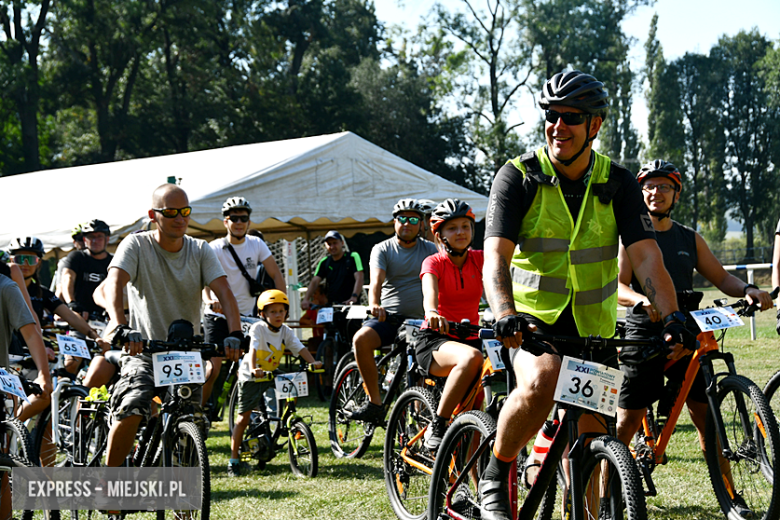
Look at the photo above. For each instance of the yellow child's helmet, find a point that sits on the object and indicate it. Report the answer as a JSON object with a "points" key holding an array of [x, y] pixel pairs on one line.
{"points": [[272, 296]]}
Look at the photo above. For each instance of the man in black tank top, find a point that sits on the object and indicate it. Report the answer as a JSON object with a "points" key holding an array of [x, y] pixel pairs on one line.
{"points": [[683, 250]]}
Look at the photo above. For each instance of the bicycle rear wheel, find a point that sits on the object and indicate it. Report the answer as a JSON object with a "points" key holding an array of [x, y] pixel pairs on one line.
{"points": [[16, 439], [348, 438], [611, 484], [302, 449], [406, 459], [752, 433], [187, 450], [45, 451], [460, 442]]}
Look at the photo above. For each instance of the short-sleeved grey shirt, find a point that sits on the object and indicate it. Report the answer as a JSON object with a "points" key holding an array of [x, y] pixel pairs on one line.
{"points": [[402, 288], [165, 286], [14, 314]]}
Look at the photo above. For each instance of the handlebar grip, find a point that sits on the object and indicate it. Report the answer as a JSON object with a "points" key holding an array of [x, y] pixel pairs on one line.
{"points": [[487, 334], [775, 292]]}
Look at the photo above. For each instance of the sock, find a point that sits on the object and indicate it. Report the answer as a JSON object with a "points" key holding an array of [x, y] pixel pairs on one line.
{"points": [[497, 469], [234, 462]]}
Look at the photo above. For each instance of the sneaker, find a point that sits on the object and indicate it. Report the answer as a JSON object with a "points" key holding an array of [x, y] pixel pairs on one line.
{"points": [[494, 500], [234, 470], [369, 412], [741, 507], [463, 502], [434, 434]]}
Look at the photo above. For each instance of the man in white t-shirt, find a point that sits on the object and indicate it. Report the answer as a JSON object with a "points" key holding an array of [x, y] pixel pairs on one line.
{"points": [[250, 251]]}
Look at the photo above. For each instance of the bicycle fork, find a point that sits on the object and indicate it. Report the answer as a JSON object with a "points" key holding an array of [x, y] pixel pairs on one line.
{"points": [[711, 383]]}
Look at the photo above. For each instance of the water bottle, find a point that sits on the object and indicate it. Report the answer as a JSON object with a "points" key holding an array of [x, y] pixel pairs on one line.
{"points": [[539, 452]]}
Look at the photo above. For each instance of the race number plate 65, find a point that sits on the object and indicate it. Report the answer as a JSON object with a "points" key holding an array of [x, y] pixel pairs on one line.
{"points": [[177, 368], [589, 385], [716, 318], [291, 385], [71, 346]]}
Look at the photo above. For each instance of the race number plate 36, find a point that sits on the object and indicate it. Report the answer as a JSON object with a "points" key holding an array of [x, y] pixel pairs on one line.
{"points": [[71, 346], [716, 318], [177, 368], [291, 385], [10, 384], [589, 385], [325, 315]]}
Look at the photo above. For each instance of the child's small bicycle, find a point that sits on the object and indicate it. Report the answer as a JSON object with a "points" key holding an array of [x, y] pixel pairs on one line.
{"points": [[261, 440]]}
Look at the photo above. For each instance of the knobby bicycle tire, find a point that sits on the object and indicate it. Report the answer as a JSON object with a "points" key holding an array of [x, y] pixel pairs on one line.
{"points": [[16, 439], [6, 483], [302, 450], [754, 441], [187, 449], [407, 486], [348, 438], [614, 492], [465, 433]]}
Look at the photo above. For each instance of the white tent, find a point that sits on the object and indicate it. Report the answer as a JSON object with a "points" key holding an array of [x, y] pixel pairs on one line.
{"points": [[298, 188]]}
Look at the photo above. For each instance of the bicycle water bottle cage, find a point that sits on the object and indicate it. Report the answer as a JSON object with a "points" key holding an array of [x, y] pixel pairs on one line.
{"points": [[180, 330]]}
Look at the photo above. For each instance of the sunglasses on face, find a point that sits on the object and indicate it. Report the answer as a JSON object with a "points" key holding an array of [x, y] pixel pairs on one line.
{"points": [[173, 212], [238, 218], [663, 188], [28, 259], [411, 220], [569, 118]]}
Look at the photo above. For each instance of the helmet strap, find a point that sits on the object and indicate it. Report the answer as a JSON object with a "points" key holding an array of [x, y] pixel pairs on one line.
{"points": [[569, 162], [273, 329], [453, 252]]}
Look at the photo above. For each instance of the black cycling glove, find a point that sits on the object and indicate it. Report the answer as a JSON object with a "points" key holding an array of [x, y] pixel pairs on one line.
{"points": [[234, 340], [679, 335], [508, 325], [123, 334]]}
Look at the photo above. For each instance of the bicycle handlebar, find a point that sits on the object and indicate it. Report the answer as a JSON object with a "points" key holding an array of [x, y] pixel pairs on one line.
{"points": [[742, 307]]}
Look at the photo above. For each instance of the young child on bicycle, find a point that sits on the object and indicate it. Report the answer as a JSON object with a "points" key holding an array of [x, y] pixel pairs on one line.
{"points": [[452, 287], [268, 340]]}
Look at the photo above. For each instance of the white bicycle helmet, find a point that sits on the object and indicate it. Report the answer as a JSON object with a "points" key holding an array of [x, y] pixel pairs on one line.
{"points": [[236, 203]]}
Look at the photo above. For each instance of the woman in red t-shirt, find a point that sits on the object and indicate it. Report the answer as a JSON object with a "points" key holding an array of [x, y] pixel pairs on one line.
{"points": [[452, 287]]}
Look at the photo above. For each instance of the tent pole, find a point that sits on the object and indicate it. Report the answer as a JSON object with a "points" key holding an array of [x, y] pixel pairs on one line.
{"points": [[308, 255]]}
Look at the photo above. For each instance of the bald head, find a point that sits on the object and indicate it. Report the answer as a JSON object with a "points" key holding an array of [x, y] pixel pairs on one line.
{"points": [[164, 192]]}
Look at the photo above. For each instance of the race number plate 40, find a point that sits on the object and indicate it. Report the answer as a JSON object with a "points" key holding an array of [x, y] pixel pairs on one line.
{"points": [[177, 368], [716, 318], [589, 385], [291, 385], [71, 346]]}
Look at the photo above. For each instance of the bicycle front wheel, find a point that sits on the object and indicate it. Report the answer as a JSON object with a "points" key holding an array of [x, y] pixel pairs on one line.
{"points": [[408, 463], [186, 449], [348, 438], [463, 437], [612, 488], [7, 464], [16, 439], [45, 449], [302, 449], [743, 477]]}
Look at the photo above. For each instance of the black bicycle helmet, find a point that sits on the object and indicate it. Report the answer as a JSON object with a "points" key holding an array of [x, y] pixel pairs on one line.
{"points": [[26, 244], [96, 226], [407, 205], [448, 210], [236, 203], [577, 90], [661, 168]]}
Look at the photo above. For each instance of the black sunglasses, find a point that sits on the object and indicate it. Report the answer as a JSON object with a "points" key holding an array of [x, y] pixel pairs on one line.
{"points": [[569, 118], [173, 212], [239, 218], [411, 220]]}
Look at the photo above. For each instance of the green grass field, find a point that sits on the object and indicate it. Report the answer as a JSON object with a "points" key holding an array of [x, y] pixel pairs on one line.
{"points": [[355, 489]]}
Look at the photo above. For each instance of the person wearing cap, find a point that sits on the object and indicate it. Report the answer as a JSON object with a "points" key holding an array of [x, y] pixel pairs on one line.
{"points": [[395, 288], [78, 245], [341, 271], [237, 246], [555, 218], [83, 270]]}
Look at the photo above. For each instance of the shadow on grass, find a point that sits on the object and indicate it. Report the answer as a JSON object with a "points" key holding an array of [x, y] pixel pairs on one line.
{"points": [[352, 470], [272, 494], [692, 511]]}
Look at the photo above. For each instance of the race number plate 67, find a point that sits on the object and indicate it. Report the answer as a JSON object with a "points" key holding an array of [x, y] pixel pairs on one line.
{"points": [[589, 385], [291, 385], [177, 368]]}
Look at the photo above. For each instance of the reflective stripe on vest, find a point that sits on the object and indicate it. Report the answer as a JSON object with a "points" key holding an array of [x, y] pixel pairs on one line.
{"points": [[559, 261]]}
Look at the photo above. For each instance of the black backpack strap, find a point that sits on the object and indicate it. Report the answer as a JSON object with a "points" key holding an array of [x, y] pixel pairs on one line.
{"points": [[533, 170], [239, 264], [606, 191]]}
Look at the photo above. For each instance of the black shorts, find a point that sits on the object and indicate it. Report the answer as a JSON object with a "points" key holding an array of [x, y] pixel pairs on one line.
{"points": [[644, 384], [215, 328], [429, 341], [565, 326], [386, 331]]}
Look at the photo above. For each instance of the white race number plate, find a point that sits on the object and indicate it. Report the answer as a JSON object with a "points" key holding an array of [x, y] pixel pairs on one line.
{"points": [[589, 385], [11, 384], [291, 385], [177, 368], [493, 349], [716, 318], [71, 346], [325, 315]]}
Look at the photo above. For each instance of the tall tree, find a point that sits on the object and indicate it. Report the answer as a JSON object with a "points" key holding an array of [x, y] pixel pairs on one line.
{"points": [[23, 24], [751, 130]]}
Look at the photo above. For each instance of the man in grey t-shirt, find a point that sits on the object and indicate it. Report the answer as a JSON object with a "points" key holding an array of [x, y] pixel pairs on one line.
{"points": [[395, 287], [166, 271]]}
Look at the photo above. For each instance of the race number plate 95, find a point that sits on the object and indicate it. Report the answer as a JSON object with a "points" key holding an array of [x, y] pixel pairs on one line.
{"points": [[177, 368], [589, 385]]}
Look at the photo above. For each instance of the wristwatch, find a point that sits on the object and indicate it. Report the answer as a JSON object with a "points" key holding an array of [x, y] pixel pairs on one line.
{"points": [[675, 316], [356, 295], [749, 286]]}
